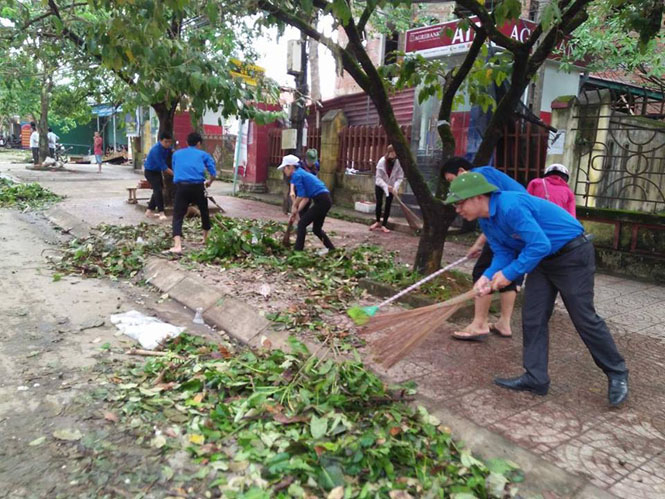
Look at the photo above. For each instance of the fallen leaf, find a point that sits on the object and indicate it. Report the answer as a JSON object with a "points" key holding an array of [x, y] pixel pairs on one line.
{"points": [[109, 416], [69, 435], [197, 439], [198, 398], [399, 494], [319, 450], [37, 441], [158, 442], [395, 430], [336, 493]]}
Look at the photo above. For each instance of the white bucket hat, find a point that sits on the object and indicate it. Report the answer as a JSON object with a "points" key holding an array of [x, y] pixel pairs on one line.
{"points": [[288, 160], [556, 167]]}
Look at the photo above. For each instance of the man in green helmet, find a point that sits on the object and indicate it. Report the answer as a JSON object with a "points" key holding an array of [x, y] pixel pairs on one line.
{"points": [[533, 236]]}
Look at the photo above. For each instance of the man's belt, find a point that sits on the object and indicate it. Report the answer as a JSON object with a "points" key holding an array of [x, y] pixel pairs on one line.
{"points": [[572, 244]]}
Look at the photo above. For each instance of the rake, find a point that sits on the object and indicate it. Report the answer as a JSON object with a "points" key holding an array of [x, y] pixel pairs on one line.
{"points": [[361, 315]]}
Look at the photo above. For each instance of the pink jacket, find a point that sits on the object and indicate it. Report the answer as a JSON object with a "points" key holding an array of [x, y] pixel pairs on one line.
{"points": [[555, 189]]}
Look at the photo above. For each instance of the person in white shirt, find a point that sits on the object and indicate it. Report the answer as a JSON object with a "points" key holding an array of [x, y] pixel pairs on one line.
{"points": [[34, 143], [52, 141], [389, 176]]}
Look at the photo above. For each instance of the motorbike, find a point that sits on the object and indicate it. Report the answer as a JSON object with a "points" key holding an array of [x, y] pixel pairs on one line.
{"points": [[62, 153]]}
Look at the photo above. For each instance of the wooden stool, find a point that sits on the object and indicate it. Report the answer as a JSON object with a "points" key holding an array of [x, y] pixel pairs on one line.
{"points": [[132, 195]]}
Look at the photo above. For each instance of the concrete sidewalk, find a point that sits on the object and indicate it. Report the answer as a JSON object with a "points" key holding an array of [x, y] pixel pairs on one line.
{"points": [[621, 452]]}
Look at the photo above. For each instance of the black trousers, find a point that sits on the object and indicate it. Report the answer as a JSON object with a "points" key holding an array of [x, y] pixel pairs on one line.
{"points": [[156, 182], [379, 193], [572, 275], [186, 194], [35, 155], [483, 263], [315, 214], [51, 152]]}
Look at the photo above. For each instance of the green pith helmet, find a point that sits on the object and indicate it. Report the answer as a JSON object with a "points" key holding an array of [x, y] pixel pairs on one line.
{"points": [[468, 185], [312, 155]]}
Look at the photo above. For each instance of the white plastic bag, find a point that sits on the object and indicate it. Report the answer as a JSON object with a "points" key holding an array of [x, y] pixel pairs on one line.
{"points": [[148, 331]]}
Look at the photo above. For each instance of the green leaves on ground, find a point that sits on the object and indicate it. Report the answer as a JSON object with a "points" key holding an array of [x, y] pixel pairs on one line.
{"points": [[113, 250], [291, 424], [25, 196]]}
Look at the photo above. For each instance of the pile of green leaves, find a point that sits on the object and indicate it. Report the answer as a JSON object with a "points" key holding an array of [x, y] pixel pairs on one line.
{"points": [[234, 239], [25, 196], [115, 251], [278, 424]]}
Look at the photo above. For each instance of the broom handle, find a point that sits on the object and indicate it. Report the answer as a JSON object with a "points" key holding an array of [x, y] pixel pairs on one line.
{"points": [[421, 282]]}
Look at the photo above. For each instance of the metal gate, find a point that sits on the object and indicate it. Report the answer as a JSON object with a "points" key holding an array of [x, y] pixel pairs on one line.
{"points": [[620, 151]]}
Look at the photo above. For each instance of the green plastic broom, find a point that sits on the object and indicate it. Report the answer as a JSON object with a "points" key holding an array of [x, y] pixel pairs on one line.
{"points": [[361, 315]]}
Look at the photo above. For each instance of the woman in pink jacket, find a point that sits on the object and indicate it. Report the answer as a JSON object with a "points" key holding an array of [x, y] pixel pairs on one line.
{"points": [[554, 187]]}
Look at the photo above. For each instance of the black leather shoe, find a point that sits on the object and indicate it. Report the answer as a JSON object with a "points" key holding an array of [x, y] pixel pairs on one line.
{"points": [[522, 384], [617, 390]]}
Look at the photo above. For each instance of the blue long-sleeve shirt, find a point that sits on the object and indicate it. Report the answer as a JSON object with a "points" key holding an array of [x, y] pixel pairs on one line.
{"points": [[156, 159], [190, 164], [306, 184], [530, 227], [498, 178]]}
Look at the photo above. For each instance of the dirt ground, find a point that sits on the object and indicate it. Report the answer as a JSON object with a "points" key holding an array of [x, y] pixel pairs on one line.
{"points": [[57, 349]]}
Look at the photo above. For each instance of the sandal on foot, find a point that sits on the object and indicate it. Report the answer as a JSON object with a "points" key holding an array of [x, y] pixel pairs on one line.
{"points": [[497, 331], [465, 336]]}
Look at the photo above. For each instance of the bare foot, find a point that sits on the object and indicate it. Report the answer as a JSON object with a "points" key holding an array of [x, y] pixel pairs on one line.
{"points": [[161, 216], [374, 226], [385, 229], [173, 251], [149, 213], [470, 334]]}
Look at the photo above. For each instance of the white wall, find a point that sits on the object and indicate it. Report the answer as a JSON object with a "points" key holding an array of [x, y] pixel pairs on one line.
{"points": [[557, 83]]}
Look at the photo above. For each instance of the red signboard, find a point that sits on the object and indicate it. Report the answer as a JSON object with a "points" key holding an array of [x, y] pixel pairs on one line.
{"points": [[448, 38]]}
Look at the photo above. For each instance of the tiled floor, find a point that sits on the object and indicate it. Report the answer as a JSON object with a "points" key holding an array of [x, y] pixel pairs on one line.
{"points": [[620, 450]]}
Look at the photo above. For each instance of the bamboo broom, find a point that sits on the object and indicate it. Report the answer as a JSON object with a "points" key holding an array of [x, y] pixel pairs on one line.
{"points": [[412, 219], [406, 330]]}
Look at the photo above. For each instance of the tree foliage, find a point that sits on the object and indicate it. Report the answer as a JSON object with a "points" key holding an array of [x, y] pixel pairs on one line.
{"points": [[164, 53]]}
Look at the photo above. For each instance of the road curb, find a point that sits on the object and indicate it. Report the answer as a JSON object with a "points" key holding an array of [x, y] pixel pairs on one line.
{"points": [[224, 311], [67, 222]]}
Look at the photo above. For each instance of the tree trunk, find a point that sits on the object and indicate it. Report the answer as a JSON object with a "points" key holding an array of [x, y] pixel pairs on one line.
{"points": [[436, 220], [165, 113], [43, 118]]}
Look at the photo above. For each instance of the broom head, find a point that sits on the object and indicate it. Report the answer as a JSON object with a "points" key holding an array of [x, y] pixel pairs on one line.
{"points": [[286, 239], [361, 315]]}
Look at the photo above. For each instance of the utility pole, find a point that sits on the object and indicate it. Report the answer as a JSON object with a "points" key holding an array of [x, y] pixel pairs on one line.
{"points": [[298, 107]]}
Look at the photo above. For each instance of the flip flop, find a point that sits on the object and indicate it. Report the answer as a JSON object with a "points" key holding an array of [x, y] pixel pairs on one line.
{"points": [[496, 331], [470, 337], [169, 252]]}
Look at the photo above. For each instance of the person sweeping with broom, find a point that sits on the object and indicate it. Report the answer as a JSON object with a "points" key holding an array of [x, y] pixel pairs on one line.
{"points": [[308, 187], [480, 327], [532, 235], [389, 176]]}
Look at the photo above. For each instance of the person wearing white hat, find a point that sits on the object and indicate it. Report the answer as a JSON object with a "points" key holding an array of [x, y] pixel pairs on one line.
{"points": [[554, 187], [308, 187]]}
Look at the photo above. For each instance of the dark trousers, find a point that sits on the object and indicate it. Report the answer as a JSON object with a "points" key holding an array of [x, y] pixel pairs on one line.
{"points": [[379, 193], [51, 152], [286, 202], [483, 263], [35, 155], [186, 194], [315, 214], [572, 275], [156, 182]]}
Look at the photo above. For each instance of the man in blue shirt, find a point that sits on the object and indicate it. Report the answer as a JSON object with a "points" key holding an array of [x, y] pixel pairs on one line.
{"points": [[480, 327], [552, 248], [156, 163], [189, 167], [308, 187]]}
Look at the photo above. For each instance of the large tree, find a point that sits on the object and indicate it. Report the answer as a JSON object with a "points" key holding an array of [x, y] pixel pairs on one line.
{"points": [[523, 59], [163, 52]]}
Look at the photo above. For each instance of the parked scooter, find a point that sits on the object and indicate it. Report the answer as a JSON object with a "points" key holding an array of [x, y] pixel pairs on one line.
{"points": [[62, 154]]}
